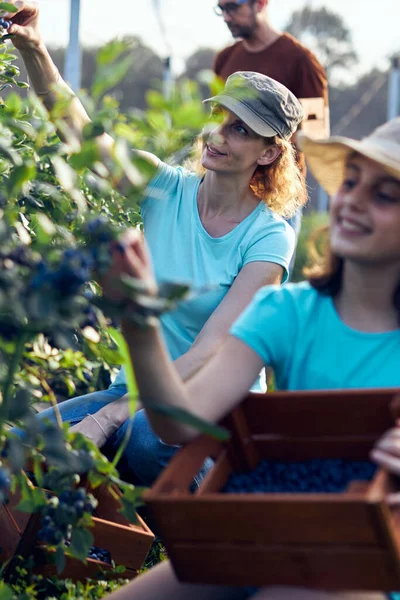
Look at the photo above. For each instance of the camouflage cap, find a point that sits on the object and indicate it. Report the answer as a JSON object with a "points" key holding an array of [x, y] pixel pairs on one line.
{"points": [[265, 105]]}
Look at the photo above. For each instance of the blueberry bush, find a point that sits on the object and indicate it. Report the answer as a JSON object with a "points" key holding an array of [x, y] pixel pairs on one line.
{"points": [[59, 212]]}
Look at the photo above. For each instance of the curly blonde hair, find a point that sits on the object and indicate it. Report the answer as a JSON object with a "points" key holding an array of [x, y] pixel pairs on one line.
{"points": [[281, 185]]}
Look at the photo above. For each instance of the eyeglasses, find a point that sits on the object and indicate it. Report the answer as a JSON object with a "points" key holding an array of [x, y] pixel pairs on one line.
{"points": [[229, 8]]}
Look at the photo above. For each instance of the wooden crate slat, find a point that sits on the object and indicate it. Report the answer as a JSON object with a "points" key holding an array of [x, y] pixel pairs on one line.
{"points": [[217, 477], [126, 547], [371, 410], [380, 515], [280, 519], [243, 453], [21, 518], [109, 507], [292, 448], [9, 535], [314, 567], [78, 571], [184, 465]]}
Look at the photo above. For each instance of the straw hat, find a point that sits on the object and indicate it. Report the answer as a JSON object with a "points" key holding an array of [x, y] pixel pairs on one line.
{"points": [[327, 158]]}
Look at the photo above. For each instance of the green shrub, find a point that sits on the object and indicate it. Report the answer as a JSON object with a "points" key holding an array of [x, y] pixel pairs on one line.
{"points": [[310, 224]]}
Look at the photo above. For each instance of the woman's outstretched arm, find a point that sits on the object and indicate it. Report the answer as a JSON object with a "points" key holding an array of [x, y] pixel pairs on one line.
{"points": [[43, 73], [45, 77]]}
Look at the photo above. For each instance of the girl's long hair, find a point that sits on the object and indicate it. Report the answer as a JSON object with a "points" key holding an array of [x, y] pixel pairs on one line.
{"points": [[281, 185], [326, 271]]}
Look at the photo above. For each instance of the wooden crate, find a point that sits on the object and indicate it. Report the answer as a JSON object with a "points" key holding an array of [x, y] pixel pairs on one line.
{"points": [[127, 543], [338, 541]]}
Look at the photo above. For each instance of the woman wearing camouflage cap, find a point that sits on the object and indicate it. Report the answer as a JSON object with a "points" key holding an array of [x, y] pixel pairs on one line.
{"points": [[220, 227]]}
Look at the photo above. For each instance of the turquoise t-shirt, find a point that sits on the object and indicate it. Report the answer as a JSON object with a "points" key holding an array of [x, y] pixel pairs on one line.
{"points": [[297, 331], [182, 250]]}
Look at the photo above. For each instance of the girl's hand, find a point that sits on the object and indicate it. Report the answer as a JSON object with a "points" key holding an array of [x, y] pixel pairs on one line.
{"points": [[387, 450], [130, 256], [25, 26]]}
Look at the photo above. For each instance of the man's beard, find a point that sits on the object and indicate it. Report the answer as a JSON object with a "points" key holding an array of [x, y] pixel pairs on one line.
{"points": [[244, 31], [241, 31]]}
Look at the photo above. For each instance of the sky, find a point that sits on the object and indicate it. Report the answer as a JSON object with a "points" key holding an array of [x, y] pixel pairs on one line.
{"points": [[191, 24]]}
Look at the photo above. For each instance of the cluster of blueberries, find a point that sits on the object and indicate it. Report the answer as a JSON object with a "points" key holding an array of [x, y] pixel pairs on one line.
{"points": [[76, 265], [99, 228], [100, 554], [62, 513], [309, 476], [4, 24], [71, 273]]}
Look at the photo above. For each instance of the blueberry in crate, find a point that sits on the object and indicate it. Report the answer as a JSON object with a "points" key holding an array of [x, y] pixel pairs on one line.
{"points": [[100, 554], [308, 476]]}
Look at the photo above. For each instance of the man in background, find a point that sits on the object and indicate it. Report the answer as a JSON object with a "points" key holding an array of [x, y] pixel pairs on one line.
{"points": [[264, 49]]}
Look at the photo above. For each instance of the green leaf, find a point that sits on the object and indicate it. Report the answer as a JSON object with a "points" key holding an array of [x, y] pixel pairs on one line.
{"points": [[9, 153], [14, 103], [65, 174], [21, 175], [183, 416], [22, 127], [88, 155], [60, 560], [6, 592], [7, 7], [31, 498], [132, 389], [81, 542], [44, 228], [131, 499], [126, 131], [109, 76], [129, 371], [37, 469], [111, 52], [67, 177], [122, 155]]}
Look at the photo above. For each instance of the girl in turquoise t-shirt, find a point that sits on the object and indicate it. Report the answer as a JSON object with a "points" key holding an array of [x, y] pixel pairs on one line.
{"points": [[339, 330]]}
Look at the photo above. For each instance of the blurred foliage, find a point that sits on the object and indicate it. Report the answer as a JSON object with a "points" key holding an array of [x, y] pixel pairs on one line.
{"points": [[324, 33], [311, 223], [59, 210], [27, 586]]}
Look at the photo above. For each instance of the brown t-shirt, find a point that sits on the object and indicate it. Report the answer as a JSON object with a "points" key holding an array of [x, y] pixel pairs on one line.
{"points": [[286, 61]]}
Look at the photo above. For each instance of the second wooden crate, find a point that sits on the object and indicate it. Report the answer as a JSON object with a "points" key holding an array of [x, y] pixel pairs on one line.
{"points": [[339, 541]]}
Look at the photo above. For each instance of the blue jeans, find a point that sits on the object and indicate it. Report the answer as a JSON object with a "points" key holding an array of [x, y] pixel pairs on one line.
{"points": [[145, 455]]}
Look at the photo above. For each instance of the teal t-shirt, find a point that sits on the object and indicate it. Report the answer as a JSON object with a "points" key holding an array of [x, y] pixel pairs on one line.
{"points": [[182, 250], [297, 331]]}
